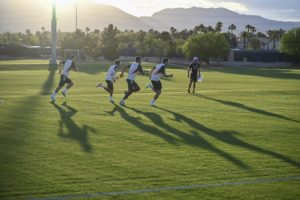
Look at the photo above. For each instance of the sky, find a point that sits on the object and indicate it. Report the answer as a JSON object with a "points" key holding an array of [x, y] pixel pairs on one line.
{"points": [[283, 10]]}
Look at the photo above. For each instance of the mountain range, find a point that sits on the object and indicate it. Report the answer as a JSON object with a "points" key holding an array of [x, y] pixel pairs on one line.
{"points": [[17, 16]]}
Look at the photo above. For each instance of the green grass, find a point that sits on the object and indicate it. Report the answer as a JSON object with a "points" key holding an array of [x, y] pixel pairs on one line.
{"points": [[242, 124]]}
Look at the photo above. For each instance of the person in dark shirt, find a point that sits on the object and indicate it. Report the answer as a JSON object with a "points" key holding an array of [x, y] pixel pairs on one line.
{"points": [[193, 73]]}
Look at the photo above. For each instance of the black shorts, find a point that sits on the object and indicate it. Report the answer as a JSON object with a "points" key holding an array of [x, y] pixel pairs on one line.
{"points": [[156, 85], [63, 80], [110, 84], [194, 78], [132, 85]]}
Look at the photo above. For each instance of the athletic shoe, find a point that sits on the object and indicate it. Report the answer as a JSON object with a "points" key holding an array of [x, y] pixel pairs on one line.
{"points": [[65, 95], [149, 85], [189, 91], [122, 103], [193, 91], [52, 98], [111, 100], [152, 103], [99, 85]]}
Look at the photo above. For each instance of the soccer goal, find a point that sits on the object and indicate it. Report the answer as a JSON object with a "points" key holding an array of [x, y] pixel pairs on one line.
{"points": [[69, 52]]}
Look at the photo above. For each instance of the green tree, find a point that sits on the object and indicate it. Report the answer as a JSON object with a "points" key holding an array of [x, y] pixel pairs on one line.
{"points": [[209, 45], [110, 42], [254, 43], [161, 47], [290, 43]]}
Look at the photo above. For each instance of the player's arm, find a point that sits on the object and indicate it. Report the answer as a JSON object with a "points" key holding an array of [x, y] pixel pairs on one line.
{"points": [[123, 70], [189, 69], [164, 73], [140, 69]]}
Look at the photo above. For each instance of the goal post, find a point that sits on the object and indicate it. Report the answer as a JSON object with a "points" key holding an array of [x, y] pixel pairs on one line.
{"points": [[69, 52]]}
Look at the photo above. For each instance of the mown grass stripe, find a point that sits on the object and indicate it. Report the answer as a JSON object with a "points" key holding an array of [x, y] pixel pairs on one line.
{"points": [[170, 188]]}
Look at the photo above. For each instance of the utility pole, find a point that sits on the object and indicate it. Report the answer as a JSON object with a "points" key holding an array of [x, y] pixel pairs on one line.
{"points": [[76, 15], [53, 35]]}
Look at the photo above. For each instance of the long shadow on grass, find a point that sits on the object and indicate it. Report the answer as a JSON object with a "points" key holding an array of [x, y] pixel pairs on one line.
{"points": [[248, 108], [74, 132], [281, 73], [48, 84], [13, 137], [229, 138], [138, 123], [192, 139]]}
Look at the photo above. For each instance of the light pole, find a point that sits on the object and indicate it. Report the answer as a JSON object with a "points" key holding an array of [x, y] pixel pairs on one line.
{"points": [[53, 34], [76, 15]]}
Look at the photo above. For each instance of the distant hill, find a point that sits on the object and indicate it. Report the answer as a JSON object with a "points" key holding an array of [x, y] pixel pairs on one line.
{"points": [[181, 18], [17, 16]]}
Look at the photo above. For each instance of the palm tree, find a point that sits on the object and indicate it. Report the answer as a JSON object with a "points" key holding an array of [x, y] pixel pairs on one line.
{"points": [[231, 27], [244, 36], [248, 27], [87, 29], [253, 29], [218, 27], [272, 35]]}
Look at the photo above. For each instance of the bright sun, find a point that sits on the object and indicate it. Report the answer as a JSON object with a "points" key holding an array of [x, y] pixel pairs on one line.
{"points": [[64, 2]]}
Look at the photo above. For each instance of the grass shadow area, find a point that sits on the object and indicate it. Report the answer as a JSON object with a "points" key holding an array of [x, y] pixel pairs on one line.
{"points": [[74, 131], [170, 134], [280, 73], [229, 137], [247, 108]]}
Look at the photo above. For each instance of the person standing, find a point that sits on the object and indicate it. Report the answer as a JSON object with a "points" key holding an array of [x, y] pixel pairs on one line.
{"points": [[155, 74], [110, 80], [134, 69], [193, 73], [69, 65]]}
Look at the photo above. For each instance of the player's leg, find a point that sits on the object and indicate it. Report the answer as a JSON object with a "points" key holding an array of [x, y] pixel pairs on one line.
{"points": [[194, 86], [70, 84], [128, 93], [190, 84], [136, 87], [157, 89], [60, 85], [110, 89]]}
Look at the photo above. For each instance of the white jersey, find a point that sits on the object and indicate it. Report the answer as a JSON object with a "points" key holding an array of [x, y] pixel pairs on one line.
{"points": [[133, 69], [67, 67], [156, 73], [111, 73]]}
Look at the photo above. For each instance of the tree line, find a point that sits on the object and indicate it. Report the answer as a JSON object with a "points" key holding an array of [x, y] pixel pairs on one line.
{"points": [[111, 42]]}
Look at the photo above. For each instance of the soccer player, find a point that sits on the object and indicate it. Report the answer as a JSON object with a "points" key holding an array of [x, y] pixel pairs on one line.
{"points": [[134, 68], [194, 73], [156, 72], [110, 79], [69, 65]]}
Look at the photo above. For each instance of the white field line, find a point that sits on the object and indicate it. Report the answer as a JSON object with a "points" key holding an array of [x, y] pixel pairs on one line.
{"points": [[172, 188]]}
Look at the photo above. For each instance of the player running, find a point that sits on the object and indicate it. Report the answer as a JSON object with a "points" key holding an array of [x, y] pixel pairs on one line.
{"points": [[156, 72], [194, 73], [134, 69], [69, 65], [110, 79]]}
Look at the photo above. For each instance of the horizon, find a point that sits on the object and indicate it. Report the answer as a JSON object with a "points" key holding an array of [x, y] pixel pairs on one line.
{"points": [[147, 8]]}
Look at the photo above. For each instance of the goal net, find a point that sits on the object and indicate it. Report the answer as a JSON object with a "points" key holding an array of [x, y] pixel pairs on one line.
{"points": [[69, 52]]}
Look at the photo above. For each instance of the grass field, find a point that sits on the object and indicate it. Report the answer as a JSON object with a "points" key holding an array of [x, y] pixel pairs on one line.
{"points": [[238, 137]]}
